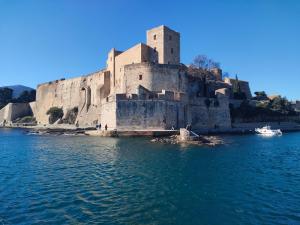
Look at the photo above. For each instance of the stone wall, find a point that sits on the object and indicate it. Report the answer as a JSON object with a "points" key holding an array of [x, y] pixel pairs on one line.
{"points": [[164, 113], [13, 111], [213, 115], [85, 92], [243, 85], [148, 115], [137, 54], [108, 113], [154, 77], [166, 42]]}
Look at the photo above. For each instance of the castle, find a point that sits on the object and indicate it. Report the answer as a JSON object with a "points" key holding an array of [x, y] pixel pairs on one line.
{"points": [[143, 88]]}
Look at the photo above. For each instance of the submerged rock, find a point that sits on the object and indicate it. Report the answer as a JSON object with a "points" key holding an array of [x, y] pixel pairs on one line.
{"points": [[200, 140]]}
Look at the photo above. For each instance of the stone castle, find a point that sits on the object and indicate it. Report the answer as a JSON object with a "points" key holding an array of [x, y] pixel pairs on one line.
{"points": [[143, 88]]}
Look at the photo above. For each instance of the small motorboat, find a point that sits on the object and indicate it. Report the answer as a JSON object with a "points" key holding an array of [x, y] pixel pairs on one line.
{"points": [[267, 131]]}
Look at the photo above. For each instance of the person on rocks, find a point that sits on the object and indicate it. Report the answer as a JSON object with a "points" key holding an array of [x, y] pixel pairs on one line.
{"points": [[105, 126]]}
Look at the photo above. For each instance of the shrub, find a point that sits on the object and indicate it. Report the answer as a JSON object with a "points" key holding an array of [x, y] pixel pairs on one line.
{"points": [[26, 119], [71, 116], [277, 110], [55, 114], [260, 93]]}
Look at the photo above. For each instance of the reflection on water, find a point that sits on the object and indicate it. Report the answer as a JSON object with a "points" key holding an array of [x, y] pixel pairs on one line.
{"points": [[79, 180]]}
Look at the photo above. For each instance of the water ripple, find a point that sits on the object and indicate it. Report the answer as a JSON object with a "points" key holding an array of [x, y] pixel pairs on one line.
{"points": [[85, 180]]}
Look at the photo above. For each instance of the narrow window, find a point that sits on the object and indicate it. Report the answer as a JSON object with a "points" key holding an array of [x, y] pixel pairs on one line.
{"points": [[140, 77], [170, 37], [154, 37], [172, 51]]}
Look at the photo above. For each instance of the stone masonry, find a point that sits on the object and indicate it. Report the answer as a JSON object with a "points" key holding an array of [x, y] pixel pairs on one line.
{"points": [[143, 88]]}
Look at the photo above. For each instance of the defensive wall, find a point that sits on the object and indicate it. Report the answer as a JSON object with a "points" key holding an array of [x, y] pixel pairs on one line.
{"points": [[84, 92], [165, 112], [13, 111]]}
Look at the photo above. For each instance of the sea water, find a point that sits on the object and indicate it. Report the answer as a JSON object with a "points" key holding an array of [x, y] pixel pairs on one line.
{"points": [[94, 180]]}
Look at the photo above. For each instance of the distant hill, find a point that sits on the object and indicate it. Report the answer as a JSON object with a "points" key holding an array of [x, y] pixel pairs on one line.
{"points": [[16, 94], [18, 89]]}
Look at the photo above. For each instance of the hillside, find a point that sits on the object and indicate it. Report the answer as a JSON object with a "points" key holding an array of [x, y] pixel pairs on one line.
{"points": [[18, 89], [16, 94]]}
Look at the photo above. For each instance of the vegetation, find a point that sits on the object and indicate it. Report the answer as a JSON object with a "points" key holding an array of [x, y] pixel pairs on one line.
{"points": [[260, 94], [6, 96], [203, 62], [26, 96], [71, 116], [274, 110], [236, 89], [55, 114], [26, 119]]}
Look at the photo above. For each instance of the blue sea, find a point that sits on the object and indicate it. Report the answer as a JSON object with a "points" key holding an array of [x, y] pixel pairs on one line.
{"points": [[94, 180]]}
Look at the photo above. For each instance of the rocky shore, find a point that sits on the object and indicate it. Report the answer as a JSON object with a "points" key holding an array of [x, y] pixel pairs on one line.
{"points": [[201, 140], [55, 132]]}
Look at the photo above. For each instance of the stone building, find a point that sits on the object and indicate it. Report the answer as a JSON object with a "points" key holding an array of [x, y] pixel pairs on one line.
{"points": [[143, 88], [242, 85]]}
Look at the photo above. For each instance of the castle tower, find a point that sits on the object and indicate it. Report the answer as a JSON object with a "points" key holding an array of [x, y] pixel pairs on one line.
{"points": [[167, 44]]}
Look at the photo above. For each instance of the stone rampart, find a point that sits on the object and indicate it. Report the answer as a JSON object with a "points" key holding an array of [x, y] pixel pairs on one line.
{"points": [[13, 111], [154, 77], [84, 92]]}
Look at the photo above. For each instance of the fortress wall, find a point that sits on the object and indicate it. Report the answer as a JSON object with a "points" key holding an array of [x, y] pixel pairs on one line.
{"points": [[215, 116], [244, 86], [135, 55], [131, 56], [155, 77], [171, 41], [108, 114], [68, 94], [13, 111], [167, 44], [33, 108], [145, 115], [110, 65], [164, 114], [63, 94]]}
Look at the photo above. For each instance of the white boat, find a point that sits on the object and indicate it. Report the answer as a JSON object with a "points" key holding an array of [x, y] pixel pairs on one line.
{"points": [[267, 131]]}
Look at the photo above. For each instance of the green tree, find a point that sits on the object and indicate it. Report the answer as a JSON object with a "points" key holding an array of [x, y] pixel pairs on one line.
{"points": [[26, 96], [281, 104], [55, 114], [5, 96], [260, 94], [236, 89]]}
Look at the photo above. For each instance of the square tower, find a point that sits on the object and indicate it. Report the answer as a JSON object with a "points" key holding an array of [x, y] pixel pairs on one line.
{"points": [[166, 43]]}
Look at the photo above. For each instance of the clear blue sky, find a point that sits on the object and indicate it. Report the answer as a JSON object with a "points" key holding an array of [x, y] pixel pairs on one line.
{"points": [[50, 39]]}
